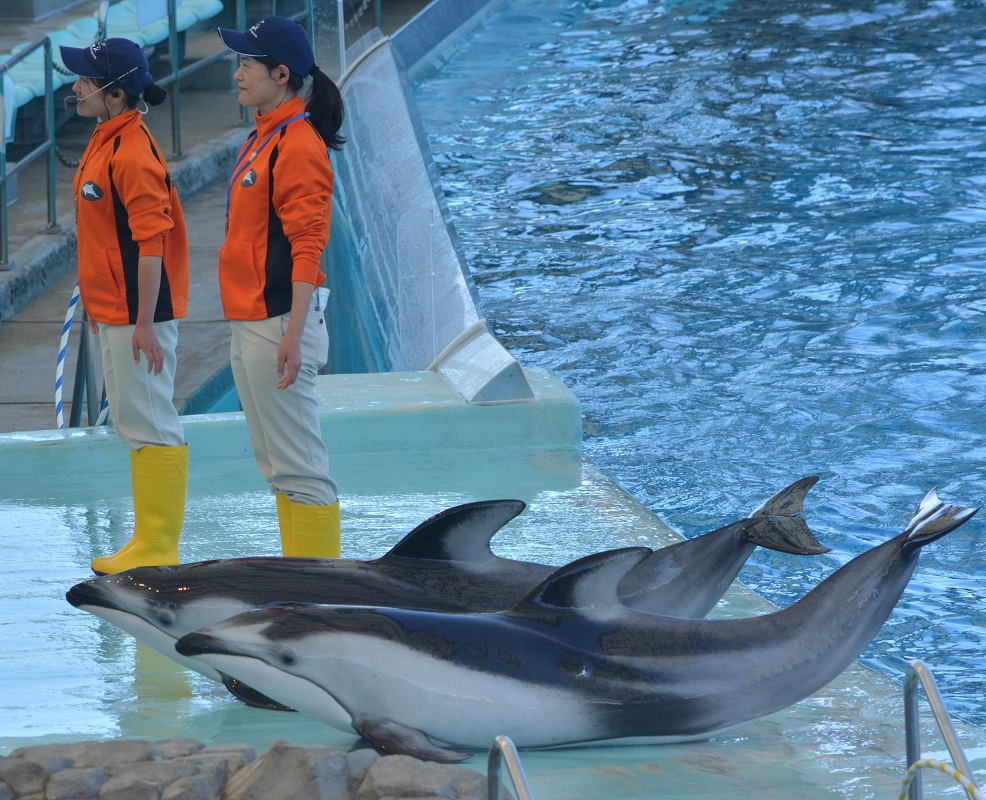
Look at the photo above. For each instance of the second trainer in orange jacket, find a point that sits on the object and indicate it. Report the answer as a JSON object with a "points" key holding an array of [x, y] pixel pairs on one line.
{"points": [[281, 199]]}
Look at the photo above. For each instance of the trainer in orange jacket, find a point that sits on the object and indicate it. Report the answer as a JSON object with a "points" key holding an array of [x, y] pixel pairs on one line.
{"points": [[277, 226], [125, 204], [282, 207], [133, 279]]}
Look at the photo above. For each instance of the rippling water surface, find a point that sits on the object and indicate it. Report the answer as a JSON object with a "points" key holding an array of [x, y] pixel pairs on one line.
{"points": [[751, 237]]}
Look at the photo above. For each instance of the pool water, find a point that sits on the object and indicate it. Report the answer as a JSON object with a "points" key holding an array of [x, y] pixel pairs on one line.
{"points": [[751, 237]]}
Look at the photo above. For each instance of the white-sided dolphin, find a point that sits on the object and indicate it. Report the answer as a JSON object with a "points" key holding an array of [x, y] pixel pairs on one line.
{"points": [[570, 664], [445, 564]]}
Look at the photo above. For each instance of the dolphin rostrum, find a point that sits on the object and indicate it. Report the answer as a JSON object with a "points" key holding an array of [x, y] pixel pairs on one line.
{"points": [[445, 564], [570, 664]]}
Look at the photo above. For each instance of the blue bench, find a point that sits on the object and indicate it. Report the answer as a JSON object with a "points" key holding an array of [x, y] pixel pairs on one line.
{"points": [[25, 81]]}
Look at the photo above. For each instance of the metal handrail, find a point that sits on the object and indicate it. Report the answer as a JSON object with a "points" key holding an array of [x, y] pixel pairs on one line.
{"points": [[502, 750], [178, 71], [85, 380], [918, 671], [48, 146]]}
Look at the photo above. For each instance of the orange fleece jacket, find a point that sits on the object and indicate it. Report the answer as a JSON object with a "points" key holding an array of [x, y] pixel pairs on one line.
{"points": [[280, 209], [126, 206]]}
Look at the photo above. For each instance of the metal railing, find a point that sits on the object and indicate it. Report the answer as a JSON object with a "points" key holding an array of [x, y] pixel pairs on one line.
{"points": [[173, 80], [178, 71], [46, 148], [503, 750], [85, 381], [919, 673]]}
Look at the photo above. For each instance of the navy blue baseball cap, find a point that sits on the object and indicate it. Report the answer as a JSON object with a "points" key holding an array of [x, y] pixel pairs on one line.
{"points": [[278, 38], [119, 60]]}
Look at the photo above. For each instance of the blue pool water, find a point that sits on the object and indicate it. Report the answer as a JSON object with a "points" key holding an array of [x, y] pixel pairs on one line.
{"points": [[751, 237]]}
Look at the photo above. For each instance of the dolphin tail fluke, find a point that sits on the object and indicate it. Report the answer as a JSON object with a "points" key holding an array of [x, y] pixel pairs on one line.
{"points": [[788, 502], [934, 519], [777, 525], [392, 738], [784, 534]]}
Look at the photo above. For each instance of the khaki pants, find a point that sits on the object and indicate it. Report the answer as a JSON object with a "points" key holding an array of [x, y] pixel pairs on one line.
{"points": [[284, 426], [142, 408]]}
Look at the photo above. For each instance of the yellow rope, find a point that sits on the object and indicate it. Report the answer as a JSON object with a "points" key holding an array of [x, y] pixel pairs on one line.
{"points": [[948, 769]]}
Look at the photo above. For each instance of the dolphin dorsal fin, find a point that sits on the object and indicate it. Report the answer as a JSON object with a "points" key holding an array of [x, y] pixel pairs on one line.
{"points": [[590, 582], [461, 533]]}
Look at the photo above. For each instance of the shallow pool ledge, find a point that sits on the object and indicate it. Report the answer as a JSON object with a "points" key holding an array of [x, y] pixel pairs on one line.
{"points": [[383, 427], [412, 411]]}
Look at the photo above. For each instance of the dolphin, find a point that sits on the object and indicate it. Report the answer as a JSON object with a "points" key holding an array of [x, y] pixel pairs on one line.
{"points": [[570, 664], [688, 578], [444, 564]]}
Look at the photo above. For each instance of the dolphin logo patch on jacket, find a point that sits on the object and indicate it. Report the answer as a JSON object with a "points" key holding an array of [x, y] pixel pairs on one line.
{"points": [[250, 178], [90, 191]]}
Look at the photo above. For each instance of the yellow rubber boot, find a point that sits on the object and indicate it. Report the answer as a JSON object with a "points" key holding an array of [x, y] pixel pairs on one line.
{"points": [[133, 539], [315, 531], [284, 523], [160, 483]]}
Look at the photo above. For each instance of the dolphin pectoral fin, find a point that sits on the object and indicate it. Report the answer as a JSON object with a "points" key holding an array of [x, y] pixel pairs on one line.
{"points": [[251, 696], [788, 502], [392, 738], [461, 533], [784, 534], [934, 519]]}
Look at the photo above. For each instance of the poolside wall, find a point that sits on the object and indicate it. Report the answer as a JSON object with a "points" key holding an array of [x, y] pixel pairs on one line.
{"points": [[384, 432], [403, 298]]}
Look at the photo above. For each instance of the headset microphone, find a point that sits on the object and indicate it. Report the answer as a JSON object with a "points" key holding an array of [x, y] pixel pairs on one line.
{"points": [[73, 100]]}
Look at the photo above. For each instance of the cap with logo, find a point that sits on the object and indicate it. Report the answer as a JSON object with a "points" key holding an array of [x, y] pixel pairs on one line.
{"points": [[278, 38], [119, 60]]}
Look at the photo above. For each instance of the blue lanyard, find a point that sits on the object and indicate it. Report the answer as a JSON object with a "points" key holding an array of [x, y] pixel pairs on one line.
{"points": [[238, 170]]}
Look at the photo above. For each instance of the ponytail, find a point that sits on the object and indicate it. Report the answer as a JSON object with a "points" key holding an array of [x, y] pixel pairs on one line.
{"points": [[324, 103], [325, 106], [154, 95]]}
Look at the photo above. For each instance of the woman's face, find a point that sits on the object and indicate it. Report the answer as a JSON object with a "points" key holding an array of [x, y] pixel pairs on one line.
{"points": [[91, 99], [257, 86]]}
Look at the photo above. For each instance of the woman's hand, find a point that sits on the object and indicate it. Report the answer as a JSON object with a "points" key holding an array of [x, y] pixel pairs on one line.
{"points": [[288, 359], [289, 350], [145, 339]]}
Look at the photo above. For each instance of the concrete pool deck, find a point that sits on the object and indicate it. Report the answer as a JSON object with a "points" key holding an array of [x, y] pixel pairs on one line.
{"points": [[71, 677]]}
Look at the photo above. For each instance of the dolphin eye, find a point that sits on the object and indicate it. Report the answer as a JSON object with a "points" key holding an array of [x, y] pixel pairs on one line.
{"points": [[286, 657]]}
